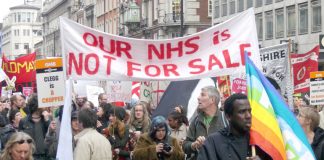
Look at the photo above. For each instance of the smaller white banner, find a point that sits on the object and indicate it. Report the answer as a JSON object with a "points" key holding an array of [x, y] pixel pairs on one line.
{"points": [[93, 93], [317, 88], [119, 91]]}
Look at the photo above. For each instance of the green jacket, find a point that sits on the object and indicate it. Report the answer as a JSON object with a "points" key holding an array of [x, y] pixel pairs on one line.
{"points": [[145, 149], [198, 128]]}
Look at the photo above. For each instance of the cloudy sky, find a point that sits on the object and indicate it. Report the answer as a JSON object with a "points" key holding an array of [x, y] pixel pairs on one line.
{"points": [[5, 5]]}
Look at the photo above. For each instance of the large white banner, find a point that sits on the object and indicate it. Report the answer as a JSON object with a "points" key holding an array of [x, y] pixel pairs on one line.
{"points": [[275, 64], [219, 50]]}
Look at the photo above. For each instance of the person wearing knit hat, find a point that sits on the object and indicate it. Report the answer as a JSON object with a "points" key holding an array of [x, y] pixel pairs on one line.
{"points": [[157, 143], [118, 134]]}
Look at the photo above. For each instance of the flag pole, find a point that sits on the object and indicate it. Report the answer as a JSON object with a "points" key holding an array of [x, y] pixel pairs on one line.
{"points": [[289, 57], [291, 73]]}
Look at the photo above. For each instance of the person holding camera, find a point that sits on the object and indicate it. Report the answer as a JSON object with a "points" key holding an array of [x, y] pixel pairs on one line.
{"points": [[158, 144]]}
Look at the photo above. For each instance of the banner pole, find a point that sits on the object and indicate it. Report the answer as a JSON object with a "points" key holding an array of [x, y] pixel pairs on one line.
{"points": [[290, 68], [291, 71]]}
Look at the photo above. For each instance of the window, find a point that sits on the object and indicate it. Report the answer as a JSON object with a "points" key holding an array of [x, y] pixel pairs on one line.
{"points": [[258, 20], [249, 3], [216, 10], [279, 0], [269, 24], [258, 3], [232, 6], [210, 8], [16, 32], [26, 32], [32, 17], [268, 2], [16, 45], [26, 46], [23, 17], [175, 34], [156, 12], [303, 18], [291, 21], [240, 5], [175, 10], [15, 17], [19, 17], [28, 17], [224, 7], [316, 16], [279, 23]]}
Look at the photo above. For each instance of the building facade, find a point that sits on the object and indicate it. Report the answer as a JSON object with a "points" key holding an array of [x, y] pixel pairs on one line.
{"points": [[162, 19], [22, 29], [82, 11], [35, 3], [107, 16], [52, 10], [278, 21]]}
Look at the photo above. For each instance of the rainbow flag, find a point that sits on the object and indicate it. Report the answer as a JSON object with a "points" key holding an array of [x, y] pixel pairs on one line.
{"points": [[274, 127]]}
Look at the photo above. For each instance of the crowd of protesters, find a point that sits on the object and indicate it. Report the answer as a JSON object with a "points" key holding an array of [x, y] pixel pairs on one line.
{"points": [[123, 133]]}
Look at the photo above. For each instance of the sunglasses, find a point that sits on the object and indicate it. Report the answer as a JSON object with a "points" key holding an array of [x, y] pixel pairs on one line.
{"points": [[23, 141]]}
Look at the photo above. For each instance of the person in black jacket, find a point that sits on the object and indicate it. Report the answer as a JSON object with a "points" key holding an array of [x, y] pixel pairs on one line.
{"points": [[231, 142], [5, 132], [36, 125]]}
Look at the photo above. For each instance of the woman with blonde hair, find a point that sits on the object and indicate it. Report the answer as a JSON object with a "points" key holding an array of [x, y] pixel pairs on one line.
{"points": [[309, 120], [20, 146], [139, 120]]}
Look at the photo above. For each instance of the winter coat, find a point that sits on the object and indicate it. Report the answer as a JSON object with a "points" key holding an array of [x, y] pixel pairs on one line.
{"points": [[198, 128], [120, 141], [223, 145], [28, 126], [180, 133], [5, 134], [52, 138], [91, 145], [318, 143], [146, 149]]}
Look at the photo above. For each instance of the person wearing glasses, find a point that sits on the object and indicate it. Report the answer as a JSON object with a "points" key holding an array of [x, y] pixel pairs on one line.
{"points": [[20, 146]]}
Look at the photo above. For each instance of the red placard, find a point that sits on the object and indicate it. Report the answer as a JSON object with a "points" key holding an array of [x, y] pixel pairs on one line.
{"points": [[302, 65], [27, 91], [24, 70]]}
